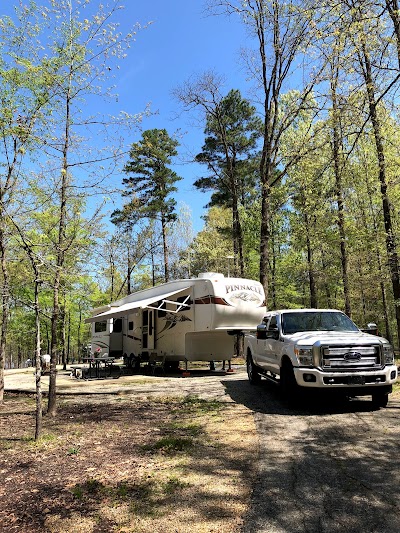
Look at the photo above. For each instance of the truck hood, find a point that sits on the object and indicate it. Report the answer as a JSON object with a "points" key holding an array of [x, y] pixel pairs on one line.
{"points": [[308, 338]]}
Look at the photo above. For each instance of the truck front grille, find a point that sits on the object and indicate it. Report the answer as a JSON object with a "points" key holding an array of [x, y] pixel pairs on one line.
{"points": [[343, 358]]}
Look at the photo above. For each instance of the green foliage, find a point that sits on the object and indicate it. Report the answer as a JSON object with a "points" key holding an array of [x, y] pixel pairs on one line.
{"points": [[151, 182], [232, 130], [212, 246], [171, 444]]}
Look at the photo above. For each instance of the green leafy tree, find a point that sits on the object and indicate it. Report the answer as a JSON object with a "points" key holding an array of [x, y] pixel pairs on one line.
{"points": [[211, 249], [282, 31], [26, 88], [150, 184], [232, 130]]}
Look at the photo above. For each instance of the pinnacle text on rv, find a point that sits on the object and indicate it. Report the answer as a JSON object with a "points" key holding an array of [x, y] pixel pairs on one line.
{"points": [[232, 288]]}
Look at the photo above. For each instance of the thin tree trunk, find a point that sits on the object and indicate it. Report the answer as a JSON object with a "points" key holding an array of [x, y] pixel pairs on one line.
{"points": [[386, 206], [63, 337], [165, 248], [310, 263], [327, 289], [128, 275], [52, 408], [39, 412], [336, 149], [273, 272], [5, 299]]}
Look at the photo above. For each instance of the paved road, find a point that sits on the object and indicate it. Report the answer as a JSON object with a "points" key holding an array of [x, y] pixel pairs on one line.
{"points": [[323, 468]]}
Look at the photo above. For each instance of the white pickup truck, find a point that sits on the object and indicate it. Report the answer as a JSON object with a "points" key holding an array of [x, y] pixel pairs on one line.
{"points": [[320, 349]]}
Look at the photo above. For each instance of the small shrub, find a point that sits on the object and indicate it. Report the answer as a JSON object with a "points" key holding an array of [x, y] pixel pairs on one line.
{"points": [[170, 444], [173, 484], [73, 450], [77, 492]]}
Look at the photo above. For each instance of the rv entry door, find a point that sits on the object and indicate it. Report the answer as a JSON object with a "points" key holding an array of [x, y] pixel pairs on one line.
{"points": [[148, 329]]}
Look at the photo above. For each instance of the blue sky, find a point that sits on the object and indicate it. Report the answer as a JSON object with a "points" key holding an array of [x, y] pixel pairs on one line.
{"points": [[182, 41]]}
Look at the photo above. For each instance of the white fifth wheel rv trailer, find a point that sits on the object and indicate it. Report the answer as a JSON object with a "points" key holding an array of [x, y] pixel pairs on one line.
{"points": [[183, 320]]}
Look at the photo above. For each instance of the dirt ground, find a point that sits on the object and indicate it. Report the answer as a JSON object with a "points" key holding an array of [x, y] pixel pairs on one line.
{"points": [[139, 454]]}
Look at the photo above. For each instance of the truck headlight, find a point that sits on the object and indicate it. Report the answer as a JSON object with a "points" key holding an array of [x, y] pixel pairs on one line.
{"points": [[388, 355], [304, 355]]}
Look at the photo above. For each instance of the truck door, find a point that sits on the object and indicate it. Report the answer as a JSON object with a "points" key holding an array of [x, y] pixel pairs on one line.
{"points": [[272, 346], [148, 329]]}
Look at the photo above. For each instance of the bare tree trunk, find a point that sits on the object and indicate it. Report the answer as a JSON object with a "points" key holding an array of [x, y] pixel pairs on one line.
{"points": [[68, 340], [273, 272], [264, 240], [336, 150], [165, 248], [52, 408], [39, 413], [4, 310], [63, 337], [128, 274], [328, 293], [391, 247], [393, 9], [310, 263]]}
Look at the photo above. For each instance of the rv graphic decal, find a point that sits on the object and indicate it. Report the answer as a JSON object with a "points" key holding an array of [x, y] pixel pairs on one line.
{"points": [[171, 320], [243, 296], [233, 299], [131, 337]]}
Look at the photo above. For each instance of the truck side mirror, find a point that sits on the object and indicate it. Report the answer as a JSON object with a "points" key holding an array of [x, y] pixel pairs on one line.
{"points": [[273, 333], [371, 328], [262, 331]]}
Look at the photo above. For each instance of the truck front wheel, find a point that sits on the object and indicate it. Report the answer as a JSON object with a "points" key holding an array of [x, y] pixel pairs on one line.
{"points": [[288, 383], [252, 371], [380, 399]]}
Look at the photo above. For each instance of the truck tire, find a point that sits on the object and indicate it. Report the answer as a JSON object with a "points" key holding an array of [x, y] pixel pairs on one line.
{"points": [[380, 399], [252, 371], [288, 383]]}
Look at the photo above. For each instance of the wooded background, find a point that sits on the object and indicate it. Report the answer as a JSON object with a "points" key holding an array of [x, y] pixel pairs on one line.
{"points": [[303, 170]]}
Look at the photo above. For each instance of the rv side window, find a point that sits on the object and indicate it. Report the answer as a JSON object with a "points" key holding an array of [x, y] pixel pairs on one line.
{"points": [[130, 325], [117, 325], [99, 327], [160, 312]]}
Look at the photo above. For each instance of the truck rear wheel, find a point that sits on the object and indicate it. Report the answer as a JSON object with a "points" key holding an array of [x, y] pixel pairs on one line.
{"points": [[252, 371], [380, 399]]}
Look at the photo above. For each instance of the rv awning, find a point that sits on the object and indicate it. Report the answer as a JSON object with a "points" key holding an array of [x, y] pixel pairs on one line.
{"points": [[146, 303]]}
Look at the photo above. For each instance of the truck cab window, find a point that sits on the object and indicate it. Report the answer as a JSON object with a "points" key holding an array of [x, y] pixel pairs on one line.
{"points": [[273, 325]]}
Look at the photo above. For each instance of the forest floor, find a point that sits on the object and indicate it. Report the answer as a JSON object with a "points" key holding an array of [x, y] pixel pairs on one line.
{"points": [[137, 454]]}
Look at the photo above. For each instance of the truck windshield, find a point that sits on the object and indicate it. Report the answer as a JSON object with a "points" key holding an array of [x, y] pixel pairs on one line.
{"points": [[316, 321]]}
